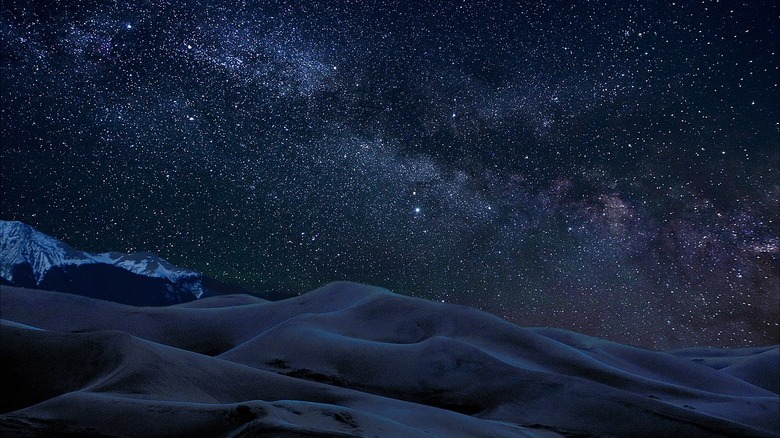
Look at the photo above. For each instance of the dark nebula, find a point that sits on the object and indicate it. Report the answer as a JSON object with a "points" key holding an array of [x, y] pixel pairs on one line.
{"points": [[606, 167]]}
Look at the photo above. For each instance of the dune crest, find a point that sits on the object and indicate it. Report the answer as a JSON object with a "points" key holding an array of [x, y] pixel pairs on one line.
{"points": [[355, 360]]}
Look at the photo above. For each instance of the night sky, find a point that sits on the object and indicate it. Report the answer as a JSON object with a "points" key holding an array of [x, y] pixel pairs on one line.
{"points": [[607, 167]]}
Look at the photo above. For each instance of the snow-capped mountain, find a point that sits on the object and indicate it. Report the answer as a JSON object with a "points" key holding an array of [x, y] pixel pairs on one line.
{"points": [[30, 258]]}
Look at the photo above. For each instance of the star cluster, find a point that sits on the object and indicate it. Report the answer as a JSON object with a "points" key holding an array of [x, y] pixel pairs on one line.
{"points": [[604, 167]]}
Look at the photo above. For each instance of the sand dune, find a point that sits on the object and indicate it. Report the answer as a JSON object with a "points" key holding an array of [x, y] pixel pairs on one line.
{"points": [[354, 360]]}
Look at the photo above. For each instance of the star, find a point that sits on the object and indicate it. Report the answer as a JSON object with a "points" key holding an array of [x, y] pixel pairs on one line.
{"points": [[580, 166]]}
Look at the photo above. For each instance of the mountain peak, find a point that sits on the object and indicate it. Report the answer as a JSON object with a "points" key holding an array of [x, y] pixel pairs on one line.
{"points": [[21, 243], [32, 258]]}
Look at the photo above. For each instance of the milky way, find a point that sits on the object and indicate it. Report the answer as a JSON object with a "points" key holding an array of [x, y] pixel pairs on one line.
{"points": [[610, 168]]}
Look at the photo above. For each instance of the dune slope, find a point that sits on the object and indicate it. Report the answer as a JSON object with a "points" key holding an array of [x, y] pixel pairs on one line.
{"points": [[354, 360]]}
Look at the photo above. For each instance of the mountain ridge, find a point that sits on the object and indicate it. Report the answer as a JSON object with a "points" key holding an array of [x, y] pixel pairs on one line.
{"points": [[30, 258]]}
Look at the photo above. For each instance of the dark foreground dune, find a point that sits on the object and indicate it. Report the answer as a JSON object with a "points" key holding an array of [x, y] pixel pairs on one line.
{"points": [[352, 360]]}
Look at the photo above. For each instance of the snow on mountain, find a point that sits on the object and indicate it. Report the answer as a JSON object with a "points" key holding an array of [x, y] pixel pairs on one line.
{"points": [[148, 264], [22, 246], [21, 243]]}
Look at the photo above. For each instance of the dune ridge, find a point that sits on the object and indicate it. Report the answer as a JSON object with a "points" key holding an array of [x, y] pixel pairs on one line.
{"points": [[355, 360]]}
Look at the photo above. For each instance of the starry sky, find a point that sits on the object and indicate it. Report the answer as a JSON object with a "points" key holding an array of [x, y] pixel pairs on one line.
{"points": [[602, 166]]}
